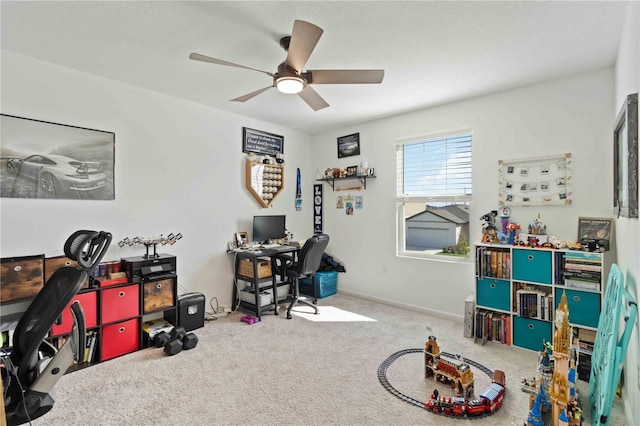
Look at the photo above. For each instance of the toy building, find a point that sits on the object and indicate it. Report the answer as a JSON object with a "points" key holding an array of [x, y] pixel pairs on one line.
{"points": [[458, 376], [557, 394]]}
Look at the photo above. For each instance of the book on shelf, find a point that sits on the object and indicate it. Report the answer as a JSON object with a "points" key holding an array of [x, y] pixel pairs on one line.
{"points": [[492, 326], [93, 346], [90, 349], [570, 266], [480, 321], [583, 256], [506, 264], [582, 285], [494, 263], [534, 304], [587, 335]]}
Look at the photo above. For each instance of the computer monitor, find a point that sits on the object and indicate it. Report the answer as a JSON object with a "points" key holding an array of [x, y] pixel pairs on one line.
{"points": [[268, 228]]}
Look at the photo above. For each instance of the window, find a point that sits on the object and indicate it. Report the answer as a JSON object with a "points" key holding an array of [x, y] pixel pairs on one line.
{"points": [[433, 187]]}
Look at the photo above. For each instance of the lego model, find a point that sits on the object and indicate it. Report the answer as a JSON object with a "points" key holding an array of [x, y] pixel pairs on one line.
{"points": [[556, 388], [489, 230], [489, 402], [459, 376]]}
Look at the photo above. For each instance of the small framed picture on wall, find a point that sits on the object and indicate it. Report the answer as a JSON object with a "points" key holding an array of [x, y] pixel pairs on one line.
{"points": [[349, 145]]}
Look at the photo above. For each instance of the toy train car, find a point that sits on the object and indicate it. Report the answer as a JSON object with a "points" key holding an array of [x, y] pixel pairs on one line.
{"points": [[489, 402]]}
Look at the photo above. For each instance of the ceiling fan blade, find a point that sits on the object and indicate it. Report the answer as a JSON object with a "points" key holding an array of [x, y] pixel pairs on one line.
{"points": [[304, 38], [251, 95], [344, 76], [203, 58], [313, 99]]}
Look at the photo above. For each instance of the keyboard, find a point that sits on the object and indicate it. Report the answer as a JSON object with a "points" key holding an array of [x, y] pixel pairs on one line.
{"points": [[270, 246]]}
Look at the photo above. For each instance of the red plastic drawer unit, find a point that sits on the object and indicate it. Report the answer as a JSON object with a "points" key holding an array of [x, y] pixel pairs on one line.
{"points": [[120, 303], [88, 301], [120, 338]]}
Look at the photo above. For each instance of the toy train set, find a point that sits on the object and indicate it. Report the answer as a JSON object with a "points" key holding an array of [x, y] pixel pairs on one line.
{"points": [[490, 401], [463, 408]]}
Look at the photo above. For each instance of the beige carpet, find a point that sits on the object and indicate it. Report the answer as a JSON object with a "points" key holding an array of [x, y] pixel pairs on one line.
{"points": [[288, 372]]}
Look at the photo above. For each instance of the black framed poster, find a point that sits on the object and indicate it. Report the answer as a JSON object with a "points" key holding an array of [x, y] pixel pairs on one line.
{"points": [[349, 145], [261, 142]]}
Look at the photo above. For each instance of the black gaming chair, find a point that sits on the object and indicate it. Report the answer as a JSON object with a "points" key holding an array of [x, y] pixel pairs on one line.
{"points": [[306, 266], [34, 366]]}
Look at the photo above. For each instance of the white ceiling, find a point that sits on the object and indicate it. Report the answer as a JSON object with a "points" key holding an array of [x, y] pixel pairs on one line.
{"points": [[432, 52]]}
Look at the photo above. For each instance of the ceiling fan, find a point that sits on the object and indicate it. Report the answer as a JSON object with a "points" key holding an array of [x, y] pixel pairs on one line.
{"points": [[290, 77]]}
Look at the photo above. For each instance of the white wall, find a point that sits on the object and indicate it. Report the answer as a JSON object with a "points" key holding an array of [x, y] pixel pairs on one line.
{"points": [[179, 168], [627, 72], [572, 114]]}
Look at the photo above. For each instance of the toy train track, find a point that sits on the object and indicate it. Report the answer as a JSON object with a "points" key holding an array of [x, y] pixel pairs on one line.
{"points": [[382, 377]]}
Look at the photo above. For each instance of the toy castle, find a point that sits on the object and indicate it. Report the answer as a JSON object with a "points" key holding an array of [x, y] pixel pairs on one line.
{"points": [[557, 392]]}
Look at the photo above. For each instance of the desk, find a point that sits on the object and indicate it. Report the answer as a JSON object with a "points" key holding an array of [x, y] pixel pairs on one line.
{"points": [[254, 256]]}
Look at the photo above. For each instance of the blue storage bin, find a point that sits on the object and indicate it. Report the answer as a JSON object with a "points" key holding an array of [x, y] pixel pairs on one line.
{"points": [[326, 284]]}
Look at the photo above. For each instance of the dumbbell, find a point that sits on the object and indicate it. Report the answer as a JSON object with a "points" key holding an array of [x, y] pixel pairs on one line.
{"points": [[160, 339], [249, 319], [179, 340]]}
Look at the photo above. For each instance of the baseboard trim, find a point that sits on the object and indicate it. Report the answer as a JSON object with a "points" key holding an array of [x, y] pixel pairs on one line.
{"points": [[407, 306]]}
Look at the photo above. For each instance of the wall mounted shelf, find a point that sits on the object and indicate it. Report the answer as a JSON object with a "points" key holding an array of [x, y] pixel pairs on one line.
{"points": [[332, 181]]}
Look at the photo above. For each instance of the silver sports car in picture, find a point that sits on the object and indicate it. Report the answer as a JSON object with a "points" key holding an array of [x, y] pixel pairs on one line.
{"points": [[55, 175]]}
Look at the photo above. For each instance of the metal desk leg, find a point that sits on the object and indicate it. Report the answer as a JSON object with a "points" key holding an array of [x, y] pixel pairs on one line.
{"points": [[256, 287]]}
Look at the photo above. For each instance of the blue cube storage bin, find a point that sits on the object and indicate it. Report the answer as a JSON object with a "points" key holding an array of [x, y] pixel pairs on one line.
{"points": [[326, 284]]}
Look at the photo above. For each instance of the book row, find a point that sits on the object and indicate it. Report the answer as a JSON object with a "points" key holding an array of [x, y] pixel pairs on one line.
{"points": [[534, 304], [491, 262], [492, 326]]}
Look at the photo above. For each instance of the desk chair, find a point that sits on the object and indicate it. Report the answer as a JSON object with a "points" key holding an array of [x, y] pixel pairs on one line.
{"points": [[306, 266], [34, 366]]}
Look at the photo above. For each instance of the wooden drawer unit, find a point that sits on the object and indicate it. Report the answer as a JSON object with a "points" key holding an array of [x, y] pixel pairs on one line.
{"points": [[584, 306], [158, 295], [529, 333], [21, 277], [52, 264], [119, 303], [532, 265], [89, 304], [119, 339], [493, 293]]}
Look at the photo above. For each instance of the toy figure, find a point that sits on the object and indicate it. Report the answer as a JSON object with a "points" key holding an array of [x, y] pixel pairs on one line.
{"points": [[489, 230], [513, 229], [505, 213]]}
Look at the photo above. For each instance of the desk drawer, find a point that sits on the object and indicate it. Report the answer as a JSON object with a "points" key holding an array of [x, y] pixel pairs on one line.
{"points": [[493, 293], [120, 303], [88, 301], [158, 295], [120, 338], [532, 265]]}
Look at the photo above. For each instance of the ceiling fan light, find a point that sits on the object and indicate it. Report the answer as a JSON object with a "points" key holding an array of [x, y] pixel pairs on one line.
{"points": [[290, 85]]}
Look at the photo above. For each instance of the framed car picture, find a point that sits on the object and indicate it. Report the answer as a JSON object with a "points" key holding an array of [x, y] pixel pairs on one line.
{"points": [[49, 160], [349, 145]]}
